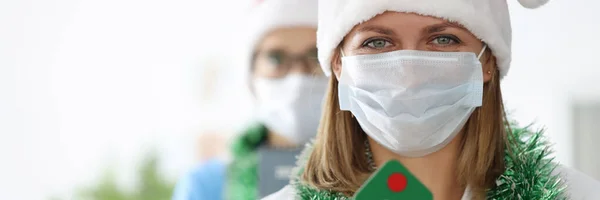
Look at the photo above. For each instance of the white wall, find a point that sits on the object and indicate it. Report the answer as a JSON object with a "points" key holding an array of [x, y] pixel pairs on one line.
{"points": [[86, 82], [587, 134], [554, 64]]}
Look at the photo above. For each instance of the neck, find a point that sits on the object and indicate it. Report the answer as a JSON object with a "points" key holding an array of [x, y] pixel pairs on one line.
{"points": [[277, 141], [437, 171]]}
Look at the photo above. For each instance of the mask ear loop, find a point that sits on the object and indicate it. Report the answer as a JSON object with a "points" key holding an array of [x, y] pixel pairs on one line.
{"points": [[482, 50], [342, 53], [481, 53]]}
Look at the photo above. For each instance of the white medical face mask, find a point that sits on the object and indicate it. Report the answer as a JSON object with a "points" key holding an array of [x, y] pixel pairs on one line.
{"points": [[412, 102], [291, 106]]}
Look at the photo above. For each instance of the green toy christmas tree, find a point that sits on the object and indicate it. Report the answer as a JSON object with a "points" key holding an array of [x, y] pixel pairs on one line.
{"points": [[393, 181]]}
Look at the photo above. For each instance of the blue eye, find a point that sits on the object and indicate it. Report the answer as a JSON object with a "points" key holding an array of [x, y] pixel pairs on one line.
{"points": [[377, 43], [445, 40]]}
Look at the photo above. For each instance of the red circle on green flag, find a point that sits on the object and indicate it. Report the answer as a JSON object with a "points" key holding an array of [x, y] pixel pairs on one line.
{"points": [[397, 182]]}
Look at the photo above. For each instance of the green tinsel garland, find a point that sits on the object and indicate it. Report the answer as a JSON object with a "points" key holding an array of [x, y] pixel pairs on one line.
{"points": [[529, 168], [528, 173], [242, 175]]}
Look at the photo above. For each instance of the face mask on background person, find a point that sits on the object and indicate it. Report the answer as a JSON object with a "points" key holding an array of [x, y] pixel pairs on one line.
{"points": [[291, 106]]}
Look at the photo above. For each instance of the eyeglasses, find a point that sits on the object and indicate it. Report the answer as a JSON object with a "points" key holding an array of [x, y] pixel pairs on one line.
{"points": [[279, 63]]}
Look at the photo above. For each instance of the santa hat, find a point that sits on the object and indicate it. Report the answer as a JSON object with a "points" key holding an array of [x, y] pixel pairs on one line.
{"points": [[489, 20], [268, 15]]}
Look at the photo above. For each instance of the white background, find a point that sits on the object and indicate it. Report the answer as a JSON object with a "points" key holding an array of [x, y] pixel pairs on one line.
{"points": [[85, 84]]}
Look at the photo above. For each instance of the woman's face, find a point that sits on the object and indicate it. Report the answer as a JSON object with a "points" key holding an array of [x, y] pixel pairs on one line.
{"points": [[285, 51], [392, 31]]}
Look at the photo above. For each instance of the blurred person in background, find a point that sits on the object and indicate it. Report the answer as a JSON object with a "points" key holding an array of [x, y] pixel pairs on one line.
{"points": [[209, 176], [418, 81], [288, 88], [212, 145]]}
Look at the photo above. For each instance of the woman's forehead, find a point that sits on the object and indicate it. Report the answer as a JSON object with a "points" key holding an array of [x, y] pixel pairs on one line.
{"points": [[401, 22]]}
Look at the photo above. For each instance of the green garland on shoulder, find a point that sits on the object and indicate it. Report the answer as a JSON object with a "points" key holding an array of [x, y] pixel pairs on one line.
{"points": [[529, 167], [528, 174], [305, 192], [242, 175]]}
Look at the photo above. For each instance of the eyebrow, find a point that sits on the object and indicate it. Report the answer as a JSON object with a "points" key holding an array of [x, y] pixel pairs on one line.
{"points": [[442, 26], [427, 30], [377, 29]]}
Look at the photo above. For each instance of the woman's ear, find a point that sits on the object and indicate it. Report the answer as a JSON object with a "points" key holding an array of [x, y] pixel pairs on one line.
{"points": [[336, 63], [489, 67]]}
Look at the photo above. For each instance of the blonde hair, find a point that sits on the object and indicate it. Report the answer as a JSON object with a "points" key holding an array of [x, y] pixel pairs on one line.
{"points": [[338, 162]]}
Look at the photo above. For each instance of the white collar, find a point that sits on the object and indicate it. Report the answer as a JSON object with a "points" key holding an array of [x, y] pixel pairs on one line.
{"points": [[467, 195]]}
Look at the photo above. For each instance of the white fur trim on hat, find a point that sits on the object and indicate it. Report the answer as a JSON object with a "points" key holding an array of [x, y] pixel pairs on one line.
{"points": [[269, 15], [489, 20], [532, 3]]}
